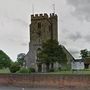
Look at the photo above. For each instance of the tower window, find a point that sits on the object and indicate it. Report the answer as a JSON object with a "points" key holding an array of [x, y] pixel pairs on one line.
{"points": [[39, 25]]}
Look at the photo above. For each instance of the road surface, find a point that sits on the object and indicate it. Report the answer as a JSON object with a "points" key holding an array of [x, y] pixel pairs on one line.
{"points": [[16, 88]]}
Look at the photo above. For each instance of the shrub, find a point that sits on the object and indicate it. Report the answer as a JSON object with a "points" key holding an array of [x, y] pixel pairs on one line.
{"points": [[59, 69], [51, 70], [31, 70], [14, 67], [24, 70]]}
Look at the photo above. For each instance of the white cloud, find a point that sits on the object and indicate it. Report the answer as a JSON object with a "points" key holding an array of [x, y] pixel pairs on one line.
{"points": [[82, 9]]}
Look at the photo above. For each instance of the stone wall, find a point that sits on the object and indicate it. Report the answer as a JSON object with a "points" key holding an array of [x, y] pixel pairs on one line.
{"points": [[45, 80]]}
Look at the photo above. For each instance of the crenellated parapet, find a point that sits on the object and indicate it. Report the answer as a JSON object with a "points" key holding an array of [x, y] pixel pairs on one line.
{"points": [[39, 16], [53, 15], [43, 16]]}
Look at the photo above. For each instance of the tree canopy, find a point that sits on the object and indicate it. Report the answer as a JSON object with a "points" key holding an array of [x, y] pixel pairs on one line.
{"points": [[5, 60], [51, 52], [14, 67], [84, 53], [20, 59]]}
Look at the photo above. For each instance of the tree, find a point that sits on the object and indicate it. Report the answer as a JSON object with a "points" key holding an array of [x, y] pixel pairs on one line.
{"points": [[5, 61], [84, 53], [20, 59], [14, 67], [50, 53]]}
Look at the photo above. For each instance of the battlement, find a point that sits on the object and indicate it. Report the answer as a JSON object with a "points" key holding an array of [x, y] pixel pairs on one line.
{"points": [[53, 15], [42, 16], [39, 16]]}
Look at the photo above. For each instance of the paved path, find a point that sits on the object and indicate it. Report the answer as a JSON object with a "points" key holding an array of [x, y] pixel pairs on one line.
{"points": [[15, 88]]}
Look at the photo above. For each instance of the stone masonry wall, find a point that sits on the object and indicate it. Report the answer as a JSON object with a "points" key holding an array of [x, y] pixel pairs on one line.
{"points": [[45, 80]]}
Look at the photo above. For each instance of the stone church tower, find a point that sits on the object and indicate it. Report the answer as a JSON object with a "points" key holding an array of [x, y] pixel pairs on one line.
{"points": [[42, 28]]}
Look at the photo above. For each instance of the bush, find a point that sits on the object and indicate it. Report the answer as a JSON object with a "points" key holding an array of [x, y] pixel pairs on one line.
{"points": [[59, 69], [26, 70], [51, 70], [14, 67], [23, 70], [31, 70]]}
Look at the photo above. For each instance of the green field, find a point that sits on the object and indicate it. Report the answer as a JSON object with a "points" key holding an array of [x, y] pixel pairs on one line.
{"points": [[58, 72], [4, 70], [72, 72]]}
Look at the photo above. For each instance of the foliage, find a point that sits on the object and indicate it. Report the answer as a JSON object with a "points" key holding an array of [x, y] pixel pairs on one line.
{"points": [[20, 59], [59, 69], [24, 70], [5, 61], [84, 53], [51, 52], [14, 67], [51, 70], [31, 70], [5, 70]]}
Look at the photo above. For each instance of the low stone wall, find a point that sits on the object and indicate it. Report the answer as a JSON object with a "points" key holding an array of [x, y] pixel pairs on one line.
{"points": [[45, 80]]}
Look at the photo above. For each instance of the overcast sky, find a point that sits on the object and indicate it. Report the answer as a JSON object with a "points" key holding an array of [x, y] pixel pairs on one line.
{"points": [[73, 24]]}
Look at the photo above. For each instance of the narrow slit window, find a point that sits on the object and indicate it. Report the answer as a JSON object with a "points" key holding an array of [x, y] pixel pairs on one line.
{"points": [[39, 25]]}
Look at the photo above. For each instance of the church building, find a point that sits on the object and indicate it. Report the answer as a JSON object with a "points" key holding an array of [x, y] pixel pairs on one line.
{"points": [[42, 28]]}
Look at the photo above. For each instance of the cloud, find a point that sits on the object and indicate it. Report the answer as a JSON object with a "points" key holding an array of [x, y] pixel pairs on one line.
{"points": [[24, 44], [75, 53], [81, 9], [87, 38], [14, 23], [63, 42], [19, 21], [74, 37]]}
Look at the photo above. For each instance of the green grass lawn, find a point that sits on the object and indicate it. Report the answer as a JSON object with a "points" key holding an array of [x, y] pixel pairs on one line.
{"points": [[4, 70], [86, 71], [72, 72]]}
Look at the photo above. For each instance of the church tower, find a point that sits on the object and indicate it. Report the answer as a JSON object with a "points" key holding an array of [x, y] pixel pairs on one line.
{"points": [[42, 28]]}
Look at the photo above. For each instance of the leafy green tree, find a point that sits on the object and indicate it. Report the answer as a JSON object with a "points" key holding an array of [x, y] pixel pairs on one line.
{"points": [[14, 67], [5, 61], [84, 53], [51, 52], [20, 59]]}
